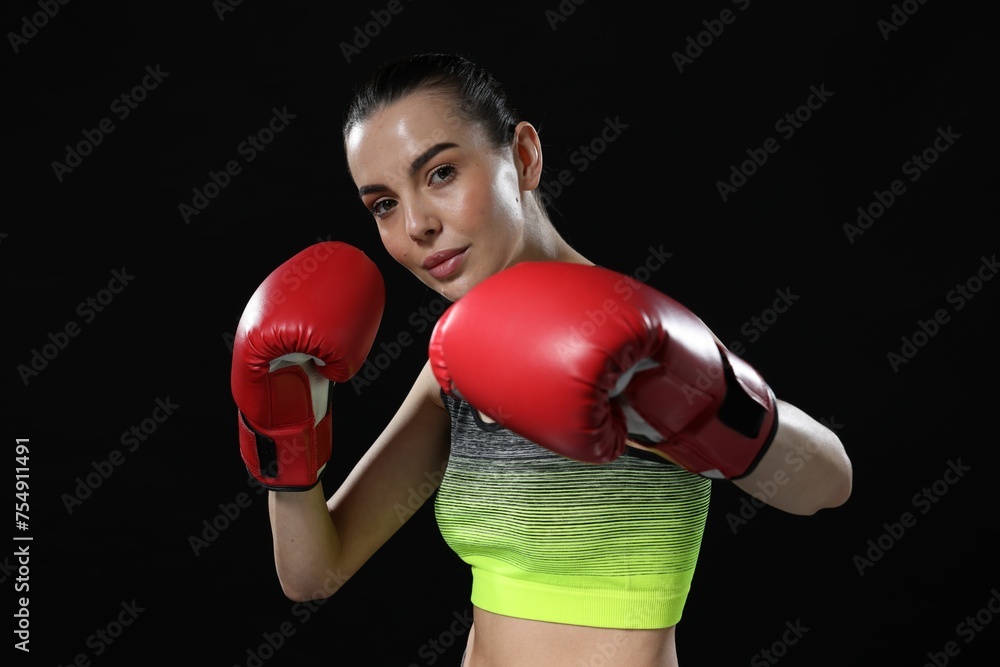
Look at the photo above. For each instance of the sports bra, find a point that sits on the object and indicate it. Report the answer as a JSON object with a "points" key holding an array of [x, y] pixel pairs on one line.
{"points": [[551, 539]]}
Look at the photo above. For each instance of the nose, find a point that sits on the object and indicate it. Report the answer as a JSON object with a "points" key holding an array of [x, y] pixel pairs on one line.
{"points": [[422, 222]]}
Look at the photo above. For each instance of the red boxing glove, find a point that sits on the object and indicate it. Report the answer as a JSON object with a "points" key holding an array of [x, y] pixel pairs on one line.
{"points": [[580, 359], [313, 320]]}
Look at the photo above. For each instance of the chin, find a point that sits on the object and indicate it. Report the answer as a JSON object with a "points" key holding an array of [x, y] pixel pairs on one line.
{"points": [[454, 288], [452, 292], [458, 286]]}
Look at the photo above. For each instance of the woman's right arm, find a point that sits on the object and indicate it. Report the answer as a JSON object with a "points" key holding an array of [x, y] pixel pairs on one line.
{"points": [[319, 543]]}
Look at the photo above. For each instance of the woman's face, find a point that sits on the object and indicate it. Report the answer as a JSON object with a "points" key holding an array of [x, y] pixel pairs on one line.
{"points": [[448, 204]]}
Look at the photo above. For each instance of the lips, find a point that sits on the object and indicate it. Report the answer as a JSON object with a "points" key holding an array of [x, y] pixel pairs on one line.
{"points": [[445, 262]]}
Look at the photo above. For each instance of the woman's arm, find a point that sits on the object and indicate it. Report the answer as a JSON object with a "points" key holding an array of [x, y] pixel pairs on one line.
{"points": [[804, 470], [318, 543]]}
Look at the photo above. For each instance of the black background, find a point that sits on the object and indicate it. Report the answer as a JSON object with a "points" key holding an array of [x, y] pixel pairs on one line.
{"points": [[164, 336]]}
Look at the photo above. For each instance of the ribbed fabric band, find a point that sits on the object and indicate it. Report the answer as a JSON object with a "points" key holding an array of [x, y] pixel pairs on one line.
{"points": [[635, 603]]}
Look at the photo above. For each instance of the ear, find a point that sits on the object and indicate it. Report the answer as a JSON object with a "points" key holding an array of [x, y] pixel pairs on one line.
{"points": [[527, 155]]}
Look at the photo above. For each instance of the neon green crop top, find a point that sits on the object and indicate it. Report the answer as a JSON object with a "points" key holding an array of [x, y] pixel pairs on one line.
{"points": [[612, 545]]}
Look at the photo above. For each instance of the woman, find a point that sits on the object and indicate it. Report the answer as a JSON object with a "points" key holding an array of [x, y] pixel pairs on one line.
{"points": [[451, 176]]}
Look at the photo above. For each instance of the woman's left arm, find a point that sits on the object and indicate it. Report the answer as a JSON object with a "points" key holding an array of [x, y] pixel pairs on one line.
{"points": [[805, 469]]}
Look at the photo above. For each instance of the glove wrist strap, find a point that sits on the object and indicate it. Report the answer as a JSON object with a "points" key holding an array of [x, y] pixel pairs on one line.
{"points": [[286, 458]]}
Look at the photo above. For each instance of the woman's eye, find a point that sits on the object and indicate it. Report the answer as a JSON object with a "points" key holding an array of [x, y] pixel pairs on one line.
{"points": [[443, 174], [382, 207]]}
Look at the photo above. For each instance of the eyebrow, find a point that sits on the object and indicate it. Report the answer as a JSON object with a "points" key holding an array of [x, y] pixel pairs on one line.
{"points": [[417, 163]]}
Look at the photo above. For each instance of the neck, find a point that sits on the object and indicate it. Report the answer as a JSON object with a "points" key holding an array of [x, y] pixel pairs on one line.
{"points": [[544, 243]]}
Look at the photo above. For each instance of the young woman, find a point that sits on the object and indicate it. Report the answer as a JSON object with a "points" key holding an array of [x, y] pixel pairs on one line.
{"points": [[570, 560]]}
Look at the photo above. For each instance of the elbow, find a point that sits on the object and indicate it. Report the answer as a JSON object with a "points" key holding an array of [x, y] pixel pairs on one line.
{"points": [[834, 491], [312, 590], [841, 480], [837, 493], [844, 489], [833, 480], [301, 594]]}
